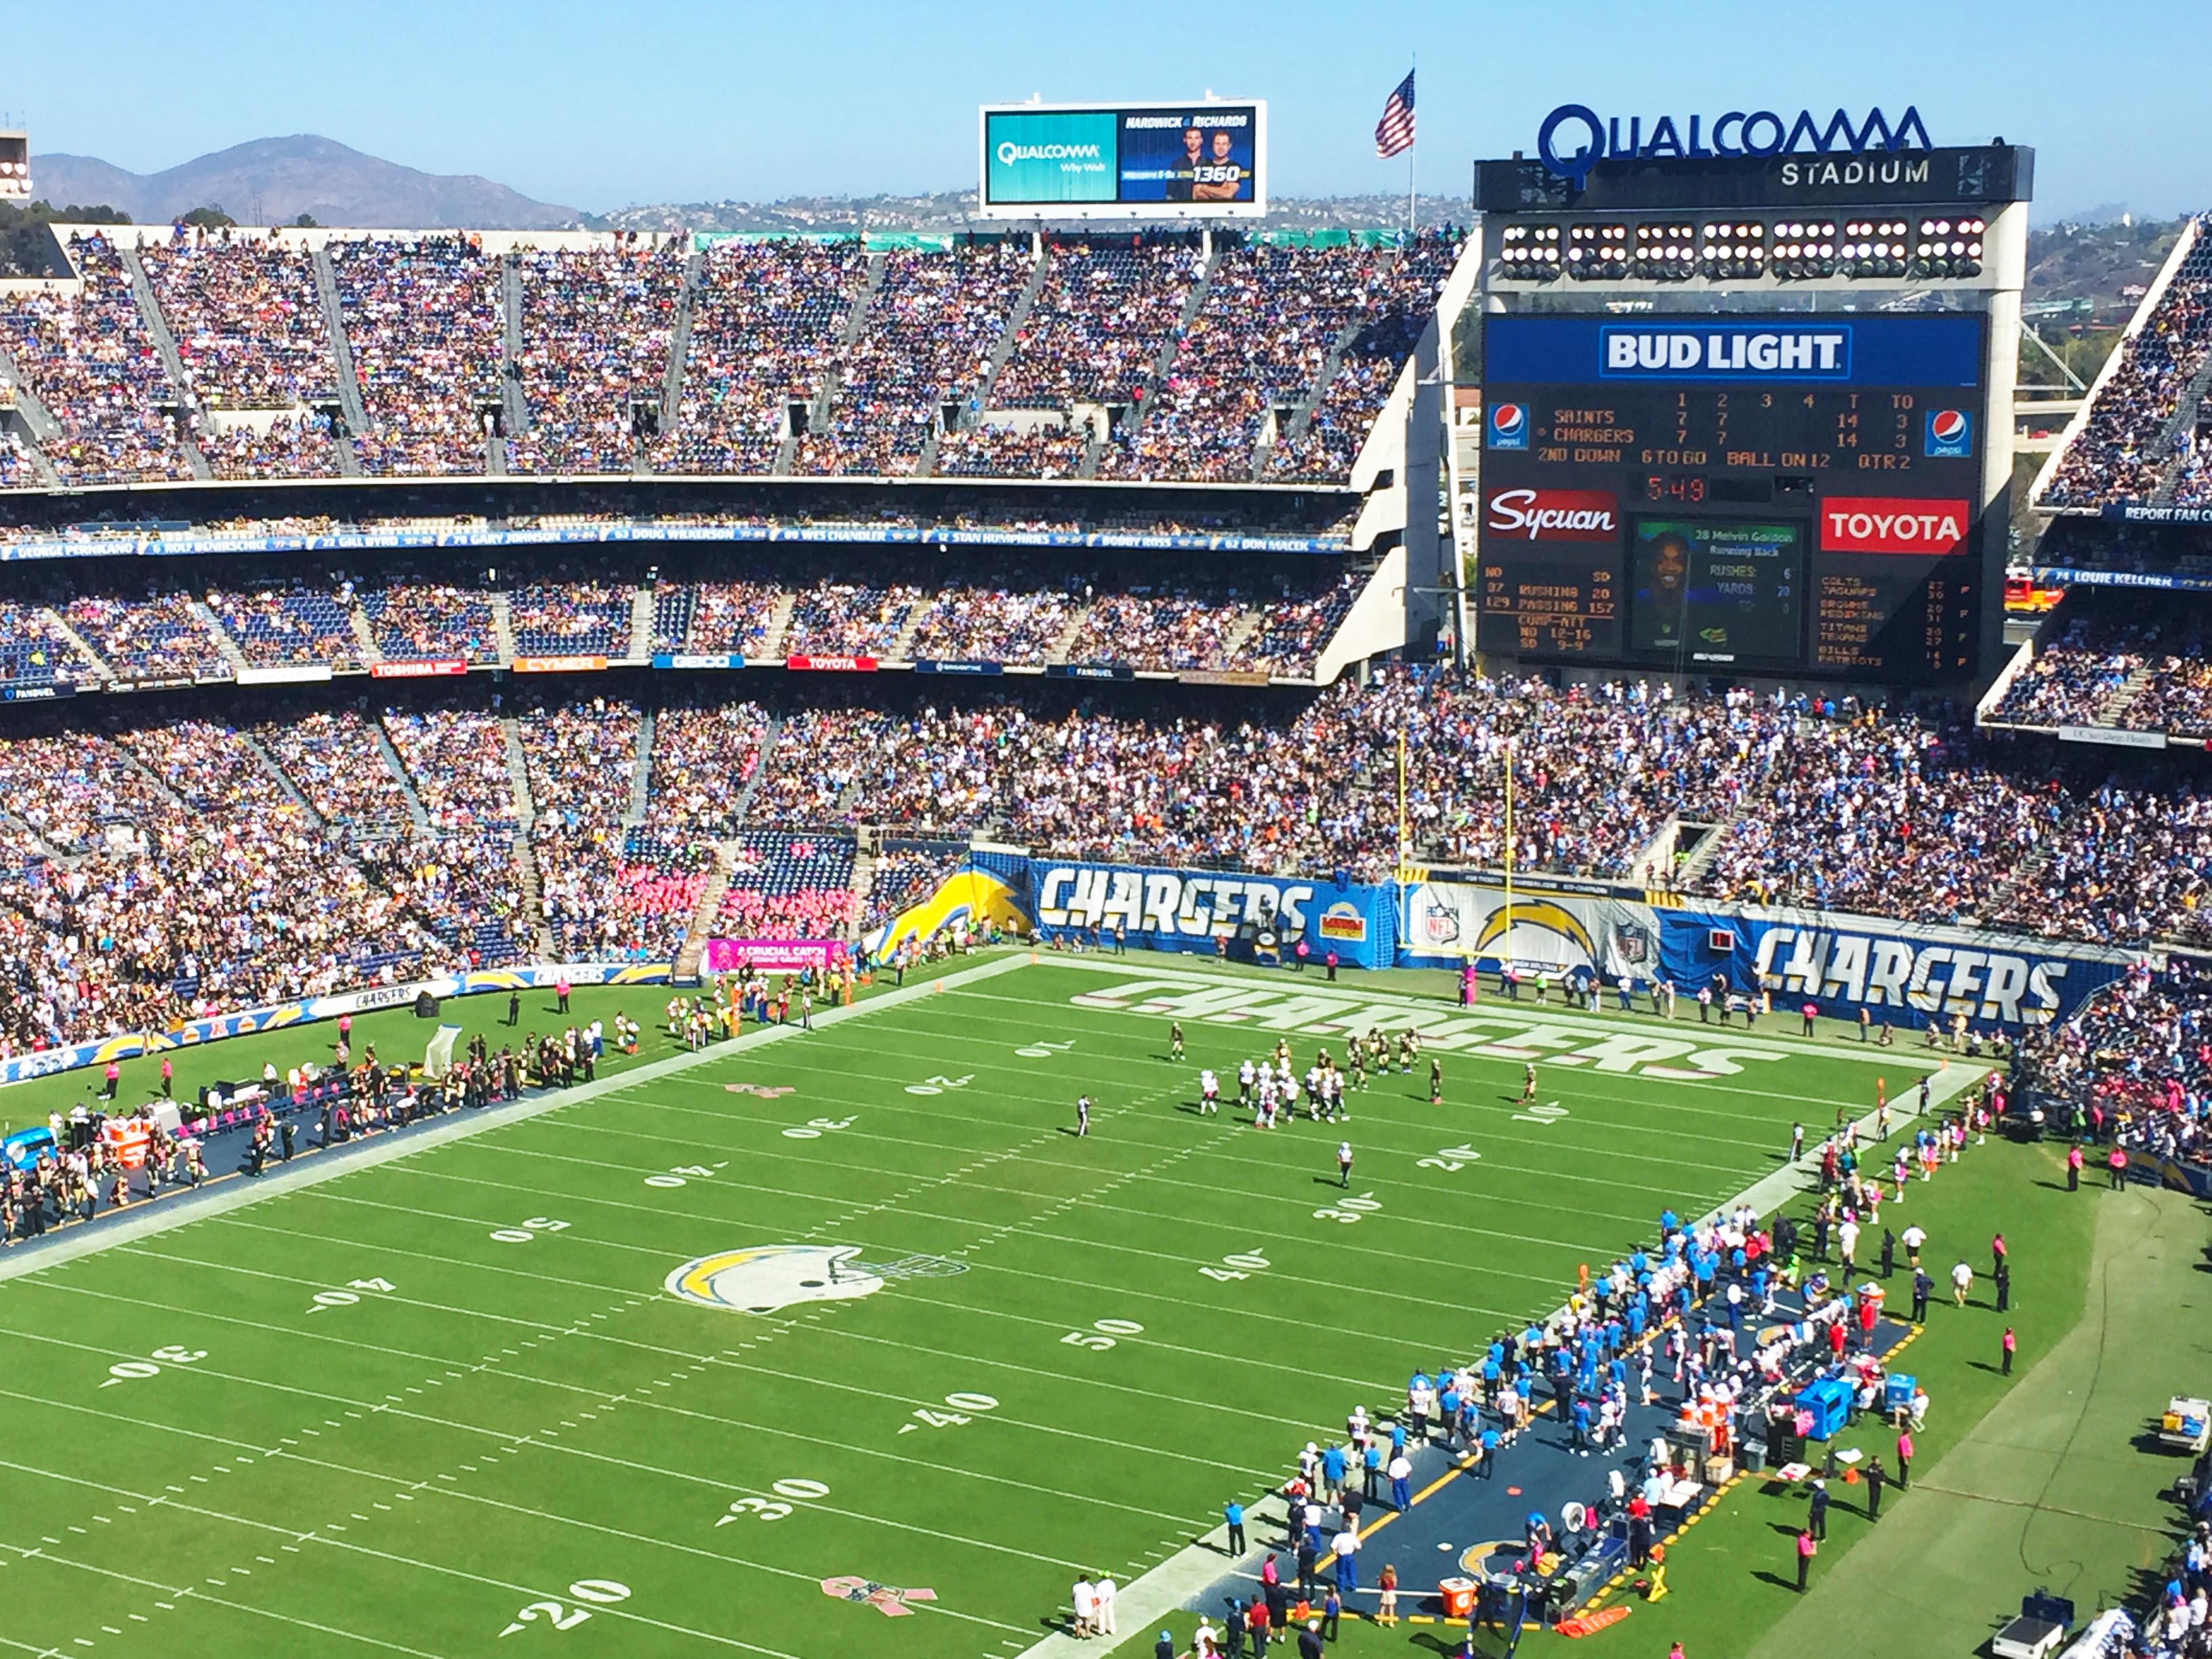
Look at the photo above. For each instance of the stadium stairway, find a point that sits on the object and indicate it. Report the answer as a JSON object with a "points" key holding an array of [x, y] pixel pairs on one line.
{"points": [[2114, 709], [350, 399], [391, 758], [515, 406], [364, 635], [1016, 320], [223, 642], [1693, 870], [533, 909], [100, 665], [771, 645], [864, 869], [1057, 651], [925, 464], [640, 648], [502, 626], [700, 928], [1311, 401], [161, 785], [149, 312], [1156, 375], [2184, 420], [1233, 636], [38, 423], [679, 342], [518, 775], [641, 771], [284, 782]]}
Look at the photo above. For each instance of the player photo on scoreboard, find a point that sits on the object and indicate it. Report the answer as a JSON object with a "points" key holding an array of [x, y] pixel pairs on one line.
{"points": [[1716, 591], [1196, 156]]}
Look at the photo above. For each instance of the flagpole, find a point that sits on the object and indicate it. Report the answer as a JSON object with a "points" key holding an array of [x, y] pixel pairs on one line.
{"points": [[1412, 164]]}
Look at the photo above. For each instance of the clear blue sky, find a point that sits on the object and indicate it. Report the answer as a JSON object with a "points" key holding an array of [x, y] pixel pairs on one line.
{"points": [[602, 104]]}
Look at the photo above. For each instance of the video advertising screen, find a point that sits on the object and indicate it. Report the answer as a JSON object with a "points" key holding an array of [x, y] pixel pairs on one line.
{"points": [[1786, 495], [1152, 161]]}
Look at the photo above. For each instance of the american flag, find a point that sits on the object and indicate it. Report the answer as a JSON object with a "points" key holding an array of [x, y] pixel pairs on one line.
{"points": [[1394, 131]]}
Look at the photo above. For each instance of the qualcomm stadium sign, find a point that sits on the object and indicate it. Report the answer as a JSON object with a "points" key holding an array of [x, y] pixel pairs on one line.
{"points": [[1574, 138]]}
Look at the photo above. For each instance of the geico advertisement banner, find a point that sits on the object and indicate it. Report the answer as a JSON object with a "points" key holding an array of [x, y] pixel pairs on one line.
{"points": [[1901, 973], [1448, 922], [1188, 910]]}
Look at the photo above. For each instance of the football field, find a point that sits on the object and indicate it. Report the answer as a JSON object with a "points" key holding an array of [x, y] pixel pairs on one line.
{"points": [[833, 1337]]}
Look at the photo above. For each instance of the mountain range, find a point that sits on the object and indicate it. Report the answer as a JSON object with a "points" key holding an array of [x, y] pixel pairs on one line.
{"points": [[272, 181]]}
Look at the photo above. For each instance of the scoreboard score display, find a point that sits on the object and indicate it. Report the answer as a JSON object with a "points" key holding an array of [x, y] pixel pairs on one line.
{"points": [[1789, 494]]}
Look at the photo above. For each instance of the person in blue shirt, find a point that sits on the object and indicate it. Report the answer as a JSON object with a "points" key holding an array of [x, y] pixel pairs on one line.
{"points": [[1371, 1466], [1579, 1440], [1447, 1412], [1233, 1512], [1397, 1438], [1331, 1473], [1490, 1444]]}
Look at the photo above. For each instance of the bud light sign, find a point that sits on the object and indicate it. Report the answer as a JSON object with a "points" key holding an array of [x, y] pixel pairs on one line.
{"points": [[1729, 352]]}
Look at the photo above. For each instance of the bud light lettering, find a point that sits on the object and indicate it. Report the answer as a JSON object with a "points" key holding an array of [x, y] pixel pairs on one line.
{"points": [[1595, 138], [1726, 353]]}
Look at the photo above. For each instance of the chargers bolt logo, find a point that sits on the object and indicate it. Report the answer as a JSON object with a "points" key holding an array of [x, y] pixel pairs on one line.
{"points": [[1950, 433], [1509, 426]]}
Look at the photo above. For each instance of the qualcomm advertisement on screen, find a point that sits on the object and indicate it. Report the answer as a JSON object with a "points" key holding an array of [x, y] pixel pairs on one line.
{"points": [[1203, 158], [1855, 350]]}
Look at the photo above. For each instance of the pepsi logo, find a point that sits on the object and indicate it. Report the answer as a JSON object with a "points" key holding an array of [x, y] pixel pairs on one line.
{"points": [[1508, 417], [1947, 424]]}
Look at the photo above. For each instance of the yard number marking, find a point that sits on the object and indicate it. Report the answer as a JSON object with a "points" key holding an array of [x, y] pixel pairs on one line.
{"points": [[1243, 1265], [1545, 1115], [929, 1417], [529, 1229], [600, 1592], [816, 1127], [131, 1370], [683, 1173], [1100, 1337], [1041, 1050], [1451, 1159], [1346, 1211], [938, 1085], [348, 1296], [761, 1509]]}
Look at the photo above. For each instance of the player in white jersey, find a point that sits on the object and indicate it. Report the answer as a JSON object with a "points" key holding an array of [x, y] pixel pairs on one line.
{"points": [[1246, 1075], [1263, 1115], [1209, 1092]]}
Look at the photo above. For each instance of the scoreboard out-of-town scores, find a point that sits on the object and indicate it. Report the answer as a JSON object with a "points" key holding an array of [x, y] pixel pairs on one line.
{"points": [[1784, 495]]}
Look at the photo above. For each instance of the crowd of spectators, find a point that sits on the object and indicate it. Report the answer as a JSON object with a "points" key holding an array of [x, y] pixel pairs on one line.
{"points": [[246, 319], [1105, 312], [596, 325], [36, 651], [2073, 676], [2121, 449], [156, 634], [425, 322], [766, 324], [421, 617], [290, 623], [568, 611], [456, 758], [926, 346], [299, 446], [89, 358], [335, 761], [850, 618], [1006, 449]]}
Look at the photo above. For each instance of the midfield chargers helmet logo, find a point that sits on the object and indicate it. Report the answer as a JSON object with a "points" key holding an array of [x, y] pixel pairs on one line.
{"points": [[1554, 515]]}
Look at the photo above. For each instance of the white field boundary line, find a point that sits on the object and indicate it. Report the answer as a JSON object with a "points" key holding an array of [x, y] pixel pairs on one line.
{"points": [[233, 1194], [1161, 1593]]}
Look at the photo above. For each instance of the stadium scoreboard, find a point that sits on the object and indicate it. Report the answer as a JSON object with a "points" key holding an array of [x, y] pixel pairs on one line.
{"points": [[1792, 494], [1746, 397]]}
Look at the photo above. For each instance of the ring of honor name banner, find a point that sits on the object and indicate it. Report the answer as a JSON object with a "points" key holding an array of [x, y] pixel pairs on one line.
{"points": [[1788, 495]]}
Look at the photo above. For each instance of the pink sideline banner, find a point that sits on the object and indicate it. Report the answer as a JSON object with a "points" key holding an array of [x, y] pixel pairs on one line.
{"points": [[774, 956]]}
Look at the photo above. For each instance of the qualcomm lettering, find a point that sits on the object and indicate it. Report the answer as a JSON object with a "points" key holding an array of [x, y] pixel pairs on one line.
{"points": [[1761, 132], [1890, 973], [1554, 515], [1850, 524], [1156, 902], [1010, 152], [1785, 353]]}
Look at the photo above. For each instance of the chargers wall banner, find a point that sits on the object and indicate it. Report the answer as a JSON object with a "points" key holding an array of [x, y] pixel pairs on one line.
{"points": [[1190, 909], [1901, 973], [1547, 931]]}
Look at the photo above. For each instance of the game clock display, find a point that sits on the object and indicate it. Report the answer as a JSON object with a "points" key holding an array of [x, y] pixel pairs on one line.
{"points": [[1782, 495]]}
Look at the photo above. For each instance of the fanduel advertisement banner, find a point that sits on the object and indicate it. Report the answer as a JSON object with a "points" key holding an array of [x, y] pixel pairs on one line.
{"points": [[1189, 909], [1901, 973], [1446, 923]]}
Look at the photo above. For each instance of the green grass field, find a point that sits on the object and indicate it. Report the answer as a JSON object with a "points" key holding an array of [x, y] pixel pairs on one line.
{"points": [[436, 1401]]}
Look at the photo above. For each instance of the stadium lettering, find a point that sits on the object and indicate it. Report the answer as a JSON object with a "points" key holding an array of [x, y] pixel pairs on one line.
{"points": [[1159, 901], [1889, 973], [1853, 524], [1762, 132]]}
